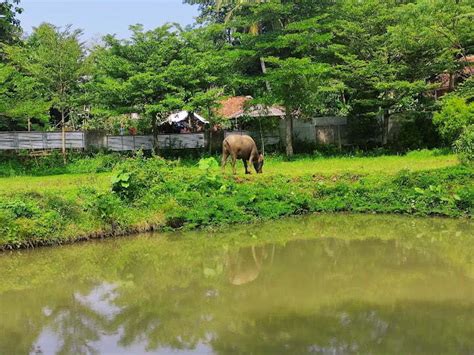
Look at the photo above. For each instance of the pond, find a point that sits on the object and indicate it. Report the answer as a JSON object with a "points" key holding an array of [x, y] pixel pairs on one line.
{"points": [[324, 284]]}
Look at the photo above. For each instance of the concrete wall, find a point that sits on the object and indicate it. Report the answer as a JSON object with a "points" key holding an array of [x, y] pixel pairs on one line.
{"points": [[319, 130]]}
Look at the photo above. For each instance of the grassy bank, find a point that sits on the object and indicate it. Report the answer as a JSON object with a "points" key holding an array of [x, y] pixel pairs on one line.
{"points": [[137, 194]]}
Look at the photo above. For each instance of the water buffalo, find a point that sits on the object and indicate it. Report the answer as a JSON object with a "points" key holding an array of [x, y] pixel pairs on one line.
{"points": [[241, 147]]}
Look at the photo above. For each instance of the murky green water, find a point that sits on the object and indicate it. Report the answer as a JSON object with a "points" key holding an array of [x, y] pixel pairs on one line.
{"points": [[322, 284]]}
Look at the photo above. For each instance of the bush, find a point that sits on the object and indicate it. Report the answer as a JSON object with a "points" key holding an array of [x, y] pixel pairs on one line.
{"points": [[78, 163], [19, 208], [416, 132], [108, 208], [456, 114], [135, 176], [464, 146]]}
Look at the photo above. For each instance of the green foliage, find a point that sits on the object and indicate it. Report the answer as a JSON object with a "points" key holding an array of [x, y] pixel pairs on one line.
{"points": [[9, 24], [208, 164], [19, 208], [416, 132], [42, 73], [456, 114], [464, 146], [108, 208], [154, 73], [366, 60], [53, 164]]}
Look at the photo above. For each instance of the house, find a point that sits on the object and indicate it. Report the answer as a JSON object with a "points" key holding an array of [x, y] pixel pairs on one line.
{"points": [[258, 121], [243, 119], [239, 112], [447, 81]]}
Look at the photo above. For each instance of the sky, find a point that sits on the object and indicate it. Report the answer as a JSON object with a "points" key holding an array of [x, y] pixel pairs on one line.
{"points": [[100, 17]]}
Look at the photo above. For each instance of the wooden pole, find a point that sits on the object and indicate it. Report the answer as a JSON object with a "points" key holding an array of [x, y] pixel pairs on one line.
{"points": [[289, 133], [63, 136]]}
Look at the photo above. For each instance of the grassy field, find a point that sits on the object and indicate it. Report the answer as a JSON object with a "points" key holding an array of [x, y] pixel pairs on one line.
{"points": [[384, 165], [366, 166], [121, 196]]}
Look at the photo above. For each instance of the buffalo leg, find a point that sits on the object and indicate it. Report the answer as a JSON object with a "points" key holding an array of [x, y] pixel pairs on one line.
{"points": [[246, 167], [234, 160], [225, 156], [251, 160]]}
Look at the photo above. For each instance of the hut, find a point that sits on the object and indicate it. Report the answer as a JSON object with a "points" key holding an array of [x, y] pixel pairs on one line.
{"points": [[259, 121], [241, 115], [183, 122]]}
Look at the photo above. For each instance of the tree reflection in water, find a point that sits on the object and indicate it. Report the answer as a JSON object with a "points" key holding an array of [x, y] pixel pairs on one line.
{"points": [[303, 292]]}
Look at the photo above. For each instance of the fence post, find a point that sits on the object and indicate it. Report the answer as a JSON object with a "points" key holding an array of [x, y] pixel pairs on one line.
{"points": [[45, 140], [339, 142], [134, 147], [16, 142]]}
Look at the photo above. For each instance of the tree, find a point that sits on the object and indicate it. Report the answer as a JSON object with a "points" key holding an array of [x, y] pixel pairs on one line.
{"points": [[295, 84], [21, 102], [54, 60], [9, 24], [159, 71], [432, 37]]}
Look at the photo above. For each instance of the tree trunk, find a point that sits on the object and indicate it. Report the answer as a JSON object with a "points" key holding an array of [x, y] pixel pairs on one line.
{"points": [[210, 141], [63, 135], [264, 71], [386, 123], [156, 146], [289, 134]]}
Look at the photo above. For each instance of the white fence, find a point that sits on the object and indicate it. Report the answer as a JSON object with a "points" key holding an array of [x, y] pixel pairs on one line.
{"points": [[40, 140]]}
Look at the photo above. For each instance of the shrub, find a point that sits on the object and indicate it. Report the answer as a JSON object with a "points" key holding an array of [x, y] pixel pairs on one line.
{"points": [[456, 114], [135, 176], [464, 146], [416, 132], [19, 208], [109, 208]]}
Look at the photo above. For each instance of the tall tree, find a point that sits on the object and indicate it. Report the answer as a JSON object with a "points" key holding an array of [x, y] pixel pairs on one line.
{"points": [[21, 102], [54, 59], [157, 72], [9, 24]]}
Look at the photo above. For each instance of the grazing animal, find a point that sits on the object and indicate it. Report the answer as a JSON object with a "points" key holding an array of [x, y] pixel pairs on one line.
{"points": [[241, 147]]}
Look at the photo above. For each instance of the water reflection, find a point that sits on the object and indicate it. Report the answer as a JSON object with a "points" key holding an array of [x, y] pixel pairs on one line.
{"points": [[326, 284], [245, 264]]}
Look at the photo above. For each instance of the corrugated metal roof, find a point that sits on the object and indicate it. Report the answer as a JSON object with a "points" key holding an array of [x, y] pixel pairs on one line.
{"points": [[182, 116]]}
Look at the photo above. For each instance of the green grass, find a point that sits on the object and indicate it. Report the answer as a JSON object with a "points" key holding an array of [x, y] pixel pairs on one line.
{"points": [[384, 165], [153, 193], [60, 184], [367, 166]]}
